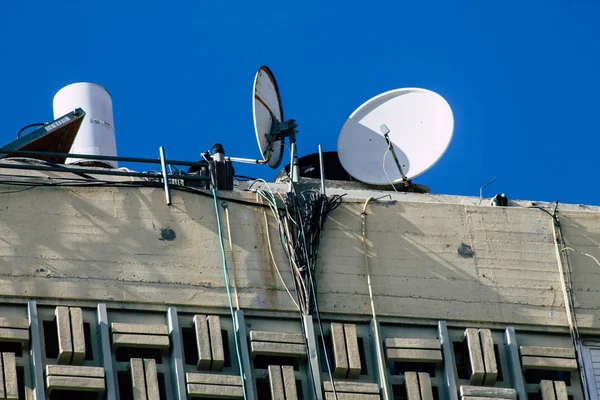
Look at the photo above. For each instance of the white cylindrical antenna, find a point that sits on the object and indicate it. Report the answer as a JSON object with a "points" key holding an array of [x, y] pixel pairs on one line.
{"points": [[96, 135]]}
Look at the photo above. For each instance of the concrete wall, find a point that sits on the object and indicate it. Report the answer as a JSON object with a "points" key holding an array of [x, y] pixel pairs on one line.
{"points": [[124, 245]]}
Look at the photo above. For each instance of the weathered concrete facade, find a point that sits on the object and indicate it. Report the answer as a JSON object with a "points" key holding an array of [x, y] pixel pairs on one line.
{"points": [[431, 257], [108, 290]]}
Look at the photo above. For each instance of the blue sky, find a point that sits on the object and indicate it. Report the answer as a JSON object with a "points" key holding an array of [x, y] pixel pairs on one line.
{"points": [[520, 76]]}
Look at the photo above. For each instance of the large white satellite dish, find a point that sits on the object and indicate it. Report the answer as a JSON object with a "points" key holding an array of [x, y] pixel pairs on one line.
{"points": [[419, 124], [266, 106]]}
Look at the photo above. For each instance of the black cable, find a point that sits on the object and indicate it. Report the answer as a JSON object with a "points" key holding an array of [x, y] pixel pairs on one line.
{"points": [[244, 177], [29, 126], [104, 183]]}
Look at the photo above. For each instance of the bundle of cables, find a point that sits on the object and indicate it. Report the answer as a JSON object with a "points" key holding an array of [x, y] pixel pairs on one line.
{"points": [[300, 220]]}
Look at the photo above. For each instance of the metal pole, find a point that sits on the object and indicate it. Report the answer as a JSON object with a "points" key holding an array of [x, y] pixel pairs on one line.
{"points": [[245, 160], [322, 170], [163, 165], [294, 164], [105, 351], [314, 376]]}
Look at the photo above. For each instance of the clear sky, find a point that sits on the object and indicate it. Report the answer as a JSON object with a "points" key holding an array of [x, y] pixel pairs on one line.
{"points": [[522, 78]]}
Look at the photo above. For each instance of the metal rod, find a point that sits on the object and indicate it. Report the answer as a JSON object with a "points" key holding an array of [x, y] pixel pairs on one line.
{"points": [[99, 171], [37, 368], [314, 376], [294, 164], [165, 175], [246, 160], [105, 352], [391, 147], [322, 166], [95, 157]]}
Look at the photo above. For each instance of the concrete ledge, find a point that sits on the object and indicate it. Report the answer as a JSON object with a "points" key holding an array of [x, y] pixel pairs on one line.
{"points": [[547, 363], [144, 329], [214, 391], [277, 349], [402, 343], [75, 383], [351, 396], [14, 335], [279, 337], [488, 392], [213, 379], [414, 355], [351, 387], [540, 351], [17, 323], [148, 341], [72, 370], [481, 398]]}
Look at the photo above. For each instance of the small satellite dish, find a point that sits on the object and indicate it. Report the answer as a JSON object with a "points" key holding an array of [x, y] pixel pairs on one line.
{"points": [[266, 107], [414, 125]]}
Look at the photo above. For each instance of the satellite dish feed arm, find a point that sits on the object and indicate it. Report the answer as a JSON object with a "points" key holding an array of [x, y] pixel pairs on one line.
{"points": [[385, 130]]}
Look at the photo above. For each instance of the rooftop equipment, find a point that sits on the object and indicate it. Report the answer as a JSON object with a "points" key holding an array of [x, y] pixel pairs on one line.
{"points": [[54, 137], [97, 132], [414, 125]]}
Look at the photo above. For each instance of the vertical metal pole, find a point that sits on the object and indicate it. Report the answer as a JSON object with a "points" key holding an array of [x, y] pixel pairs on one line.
{"points": [[163, 166], [241, 337], [294, 164], [105, 351], [514, 363], [449, 377], [314, 377], [322, 166], [381, 370], [36, 351], [176, 358]]}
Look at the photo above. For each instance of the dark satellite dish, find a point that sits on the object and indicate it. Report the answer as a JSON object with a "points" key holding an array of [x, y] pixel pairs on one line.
{"points": [[309, 167]]}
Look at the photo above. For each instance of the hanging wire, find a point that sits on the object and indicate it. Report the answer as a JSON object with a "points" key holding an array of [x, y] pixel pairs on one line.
{"points": [[235, 293], [385, 171], [227, 286], [564, 269]]}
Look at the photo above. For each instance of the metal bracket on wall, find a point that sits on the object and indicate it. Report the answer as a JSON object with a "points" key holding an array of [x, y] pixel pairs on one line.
{"points": [[241, 337], [514, 363], [106, 352], [176, 358], [315, 372], [37, 369]]}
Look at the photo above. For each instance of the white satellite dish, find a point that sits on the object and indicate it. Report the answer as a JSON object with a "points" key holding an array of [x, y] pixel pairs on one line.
{"points": [[266, 105], [419, 125]]}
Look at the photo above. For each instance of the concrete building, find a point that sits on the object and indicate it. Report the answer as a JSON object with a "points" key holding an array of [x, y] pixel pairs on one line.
{"points": [[108, 292]]}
